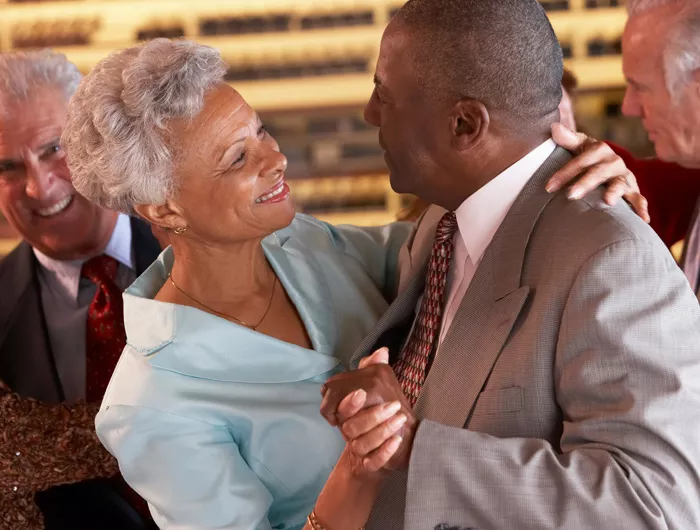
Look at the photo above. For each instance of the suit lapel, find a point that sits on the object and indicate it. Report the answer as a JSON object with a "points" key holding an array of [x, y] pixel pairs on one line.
{"points": [[416, 252], [414, 256], [397, 313], [488, 311], [26, 361]]}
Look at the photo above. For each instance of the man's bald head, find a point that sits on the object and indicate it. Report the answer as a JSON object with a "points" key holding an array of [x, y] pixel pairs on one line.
{"points": [[503, 53]]}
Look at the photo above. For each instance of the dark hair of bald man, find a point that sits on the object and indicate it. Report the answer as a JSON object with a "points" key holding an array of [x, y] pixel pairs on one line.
{"points": [[503, 53]]}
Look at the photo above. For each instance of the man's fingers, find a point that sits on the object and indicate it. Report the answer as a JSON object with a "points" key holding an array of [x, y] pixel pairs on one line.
{"points": [[616, 189], [365, 444], [368, 419], [595, 153], [329, 405], [594, 177], [567, 138], [381, 356], [380, 458], [351, 405]]}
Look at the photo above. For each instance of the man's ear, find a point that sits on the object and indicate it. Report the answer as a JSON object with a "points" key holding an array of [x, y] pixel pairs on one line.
{"points": [[167, 216], [469, 123]]}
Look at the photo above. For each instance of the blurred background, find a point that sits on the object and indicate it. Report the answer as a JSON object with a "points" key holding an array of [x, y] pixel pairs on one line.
{"points": [[307, 66]]}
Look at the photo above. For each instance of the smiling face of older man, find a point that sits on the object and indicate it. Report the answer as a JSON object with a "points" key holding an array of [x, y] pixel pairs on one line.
{"points": [[36, 194]]}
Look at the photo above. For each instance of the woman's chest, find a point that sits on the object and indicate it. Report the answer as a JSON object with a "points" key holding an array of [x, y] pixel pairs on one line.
{"points": [[280, 433]]}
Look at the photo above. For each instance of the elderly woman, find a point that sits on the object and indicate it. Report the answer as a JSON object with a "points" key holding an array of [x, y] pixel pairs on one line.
{"points": [[212, 411]]}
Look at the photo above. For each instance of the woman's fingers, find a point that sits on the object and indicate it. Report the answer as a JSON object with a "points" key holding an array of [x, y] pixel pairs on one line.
{"points": [[373, 440], [381, 457], [366, 420]]}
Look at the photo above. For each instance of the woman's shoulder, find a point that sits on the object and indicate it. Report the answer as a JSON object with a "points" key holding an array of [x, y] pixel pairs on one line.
{"points": [[306, 227]]}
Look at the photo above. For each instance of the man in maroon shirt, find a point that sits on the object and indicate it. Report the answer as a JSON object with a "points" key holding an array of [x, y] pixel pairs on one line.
{"points": [[672, 190]]}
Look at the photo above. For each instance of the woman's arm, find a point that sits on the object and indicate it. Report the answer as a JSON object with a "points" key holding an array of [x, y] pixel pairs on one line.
{"points": [[347, 498]]}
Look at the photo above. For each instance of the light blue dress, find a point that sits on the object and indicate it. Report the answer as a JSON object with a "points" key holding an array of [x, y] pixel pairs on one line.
{"points": [[218, 426]]}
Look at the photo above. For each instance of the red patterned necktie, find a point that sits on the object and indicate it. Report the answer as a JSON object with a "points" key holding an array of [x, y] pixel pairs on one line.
{"points": [[411, 368], [104, 344], [106, 337]]}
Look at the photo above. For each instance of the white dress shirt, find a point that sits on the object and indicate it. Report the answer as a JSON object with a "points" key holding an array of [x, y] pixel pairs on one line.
{"points": [[66, 296], [478, 220]]}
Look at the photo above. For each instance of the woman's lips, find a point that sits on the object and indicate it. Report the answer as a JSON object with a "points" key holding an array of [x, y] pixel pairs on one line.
{"points": [[280, 192]]}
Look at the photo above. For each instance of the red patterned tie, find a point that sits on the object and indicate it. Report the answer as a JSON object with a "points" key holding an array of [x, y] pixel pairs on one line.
{"points": [[105, 341], [411, 368], [106, 337]]}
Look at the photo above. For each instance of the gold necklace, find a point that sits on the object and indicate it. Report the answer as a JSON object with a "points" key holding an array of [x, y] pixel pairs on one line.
{"points": [[254, 328]]}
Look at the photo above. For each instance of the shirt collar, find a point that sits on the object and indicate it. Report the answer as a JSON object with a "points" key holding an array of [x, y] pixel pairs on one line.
{"points": [[67, 272], [479, 217]]}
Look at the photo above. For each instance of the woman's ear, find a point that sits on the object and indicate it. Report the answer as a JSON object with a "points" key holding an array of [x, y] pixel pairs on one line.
{"points": [[470, 121], [167, 216]]}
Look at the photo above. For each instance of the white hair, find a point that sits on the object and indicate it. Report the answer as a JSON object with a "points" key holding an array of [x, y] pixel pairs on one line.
{"points": [[22, 73], [116, 137], [681, 53]]}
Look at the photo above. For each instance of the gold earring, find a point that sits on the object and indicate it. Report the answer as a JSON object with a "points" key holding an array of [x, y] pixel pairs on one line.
{"points": [[180, 230]]}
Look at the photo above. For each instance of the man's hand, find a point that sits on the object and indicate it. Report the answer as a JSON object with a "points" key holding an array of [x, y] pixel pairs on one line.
{"points": [[383, 413], [595, 164]]}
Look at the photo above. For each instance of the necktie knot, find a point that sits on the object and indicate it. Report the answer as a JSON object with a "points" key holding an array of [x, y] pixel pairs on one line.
{"points": [[100, 269], [446, 228]]}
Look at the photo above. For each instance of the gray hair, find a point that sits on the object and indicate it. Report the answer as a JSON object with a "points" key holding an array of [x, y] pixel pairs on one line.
{"points": [[119, 151], [22, 73], [681, 53]]}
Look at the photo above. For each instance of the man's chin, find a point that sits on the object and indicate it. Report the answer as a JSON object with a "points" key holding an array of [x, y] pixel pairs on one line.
{"points": [[669, 154], [398, 184]]}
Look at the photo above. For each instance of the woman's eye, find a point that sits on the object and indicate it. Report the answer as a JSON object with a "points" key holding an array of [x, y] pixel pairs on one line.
{"points": [[239, 159], [262, 131]]}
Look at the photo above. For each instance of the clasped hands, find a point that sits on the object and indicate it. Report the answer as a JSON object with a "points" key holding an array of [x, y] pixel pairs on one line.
{"points": [[374, 417]]}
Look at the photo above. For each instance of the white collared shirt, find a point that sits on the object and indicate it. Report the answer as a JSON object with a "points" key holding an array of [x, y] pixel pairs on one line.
{"points": [[65, 298], [478, 220]]}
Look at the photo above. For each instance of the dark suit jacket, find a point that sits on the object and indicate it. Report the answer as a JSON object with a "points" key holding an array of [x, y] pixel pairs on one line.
{"points": [[27, 365]]}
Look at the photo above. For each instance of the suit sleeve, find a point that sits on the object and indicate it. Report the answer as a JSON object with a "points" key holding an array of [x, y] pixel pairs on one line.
{"points": [[376, 248], [627, 382], [191, 473], [672, 192]]}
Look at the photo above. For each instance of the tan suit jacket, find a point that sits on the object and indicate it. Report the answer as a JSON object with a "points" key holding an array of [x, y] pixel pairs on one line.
{"points": [[566, 394]]}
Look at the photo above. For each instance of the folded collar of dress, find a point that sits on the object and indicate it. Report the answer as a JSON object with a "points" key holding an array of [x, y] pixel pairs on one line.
{"points": [[186, 340]]}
